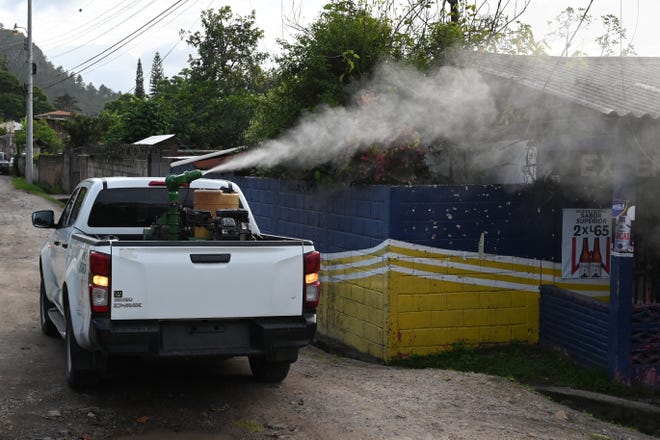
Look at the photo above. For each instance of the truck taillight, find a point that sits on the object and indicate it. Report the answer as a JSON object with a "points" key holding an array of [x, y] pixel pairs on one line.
{"points": [[99, 282], [312, 290]]}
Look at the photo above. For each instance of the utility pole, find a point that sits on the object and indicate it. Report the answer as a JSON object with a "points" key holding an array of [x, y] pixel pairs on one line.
{"points": [[30, 72]]}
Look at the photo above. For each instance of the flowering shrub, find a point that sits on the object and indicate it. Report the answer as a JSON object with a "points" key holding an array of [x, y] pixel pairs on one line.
{"points": [[402, 164]]}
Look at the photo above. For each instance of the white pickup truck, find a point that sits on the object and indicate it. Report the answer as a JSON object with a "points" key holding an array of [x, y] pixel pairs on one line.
{"points": [[133, 267]]}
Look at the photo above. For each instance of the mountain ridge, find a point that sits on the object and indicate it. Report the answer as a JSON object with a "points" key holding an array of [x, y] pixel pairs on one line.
{"points": [[54, 81]]}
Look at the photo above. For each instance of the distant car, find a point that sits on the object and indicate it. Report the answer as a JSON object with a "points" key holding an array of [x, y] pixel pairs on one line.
{"points": [[4, 166]]}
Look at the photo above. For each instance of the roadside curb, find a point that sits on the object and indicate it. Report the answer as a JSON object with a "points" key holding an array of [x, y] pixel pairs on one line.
{"points": [[640, 415]]}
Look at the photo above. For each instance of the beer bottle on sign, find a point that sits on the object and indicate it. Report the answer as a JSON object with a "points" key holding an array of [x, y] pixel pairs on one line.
{"points": [[596, 260], [622, 235], [585, 259]]}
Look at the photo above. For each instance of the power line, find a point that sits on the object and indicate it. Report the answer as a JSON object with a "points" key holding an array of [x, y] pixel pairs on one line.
{"points": [[130, 37], [123, 42], [165, 24], [577, 28], [92, 24], [98, 36]]}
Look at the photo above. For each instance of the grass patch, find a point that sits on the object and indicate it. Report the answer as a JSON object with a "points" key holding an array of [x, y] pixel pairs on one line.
{"points": [[20, 184], [527, 364], [249, 425]]}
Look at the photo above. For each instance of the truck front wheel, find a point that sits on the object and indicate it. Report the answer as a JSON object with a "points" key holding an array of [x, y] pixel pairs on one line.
{"points": [[265, 370]]}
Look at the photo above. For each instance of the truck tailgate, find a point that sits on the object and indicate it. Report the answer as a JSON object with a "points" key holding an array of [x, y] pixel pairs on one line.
{"points": [[190, 282]]}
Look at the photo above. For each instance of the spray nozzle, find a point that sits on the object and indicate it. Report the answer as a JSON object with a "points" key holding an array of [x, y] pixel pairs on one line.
{"points": [[174, 181]]}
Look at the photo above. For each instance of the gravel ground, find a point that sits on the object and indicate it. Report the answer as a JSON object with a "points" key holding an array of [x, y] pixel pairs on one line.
{"points": [[324, 397]]}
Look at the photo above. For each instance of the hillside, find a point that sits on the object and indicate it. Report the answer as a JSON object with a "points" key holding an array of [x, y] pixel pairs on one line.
{"points": [[52, 80]]}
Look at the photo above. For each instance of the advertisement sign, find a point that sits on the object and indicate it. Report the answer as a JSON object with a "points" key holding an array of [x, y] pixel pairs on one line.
{"points": [[623, 215], [586, 243]]}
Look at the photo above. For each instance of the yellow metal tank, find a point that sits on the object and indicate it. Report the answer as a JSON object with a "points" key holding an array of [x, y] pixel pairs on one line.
{"points": [[212, 200]]}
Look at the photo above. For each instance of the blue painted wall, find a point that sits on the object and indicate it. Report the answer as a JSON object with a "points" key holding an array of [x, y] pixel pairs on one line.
{"points": [[511, 218], [576, 325], [336, 218], [514, 220], [645, 344]]}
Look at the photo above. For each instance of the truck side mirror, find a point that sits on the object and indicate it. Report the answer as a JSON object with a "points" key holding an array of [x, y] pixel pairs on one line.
{"points": [[43, 219]]}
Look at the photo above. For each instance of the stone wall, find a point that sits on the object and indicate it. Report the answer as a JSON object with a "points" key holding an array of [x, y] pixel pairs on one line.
{"points": [[49, 171], [74, 165]]}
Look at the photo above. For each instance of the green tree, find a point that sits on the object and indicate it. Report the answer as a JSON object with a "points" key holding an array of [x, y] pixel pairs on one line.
{"points": [[85, 130], [139, 81], [67, 103], [565, 26], [40, 103], [227, 50], [213, 101], [42, 134], [12, 97], [133, 118], [157, 75], [464, 25], [336, 51], [613, 41]]}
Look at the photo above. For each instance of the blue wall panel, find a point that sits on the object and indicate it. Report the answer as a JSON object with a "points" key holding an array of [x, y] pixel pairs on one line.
{"points": [[454, 217], [576, 324], [515, 220], [337, 219]]}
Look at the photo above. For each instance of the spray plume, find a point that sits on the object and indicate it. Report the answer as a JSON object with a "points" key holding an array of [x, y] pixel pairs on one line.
{"points": [[449, 104]]}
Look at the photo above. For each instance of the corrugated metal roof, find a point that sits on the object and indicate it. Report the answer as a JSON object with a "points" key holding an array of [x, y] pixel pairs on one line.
{"points": [[153, 140], [625, 86]]}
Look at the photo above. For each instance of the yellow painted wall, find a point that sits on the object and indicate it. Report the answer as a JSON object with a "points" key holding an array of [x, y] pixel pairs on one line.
{"points": [[354, 311], [398, 299], [427, 317]]}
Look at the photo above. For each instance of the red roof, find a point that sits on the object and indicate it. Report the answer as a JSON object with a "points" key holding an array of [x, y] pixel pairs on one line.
{"points": [[57, 114]]}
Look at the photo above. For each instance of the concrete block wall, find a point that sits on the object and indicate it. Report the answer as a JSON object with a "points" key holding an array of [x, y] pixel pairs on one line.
{"points": [[454, 217], [131, 167], [74, 165], [50, 171], [337, 218], [403, 272], [440, 297], [355, 314], [121, 160]]}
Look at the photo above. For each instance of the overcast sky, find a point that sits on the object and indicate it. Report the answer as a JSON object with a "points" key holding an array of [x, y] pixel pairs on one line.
{"points": [[71, 32]]}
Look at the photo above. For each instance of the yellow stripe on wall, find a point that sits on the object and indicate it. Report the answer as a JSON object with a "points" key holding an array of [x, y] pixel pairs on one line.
{"points": [[398, 299]]}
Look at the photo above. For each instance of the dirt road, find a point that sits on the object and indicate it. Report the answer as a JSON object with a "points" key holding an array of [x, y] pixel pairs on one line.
{"points": [[324, 397]]}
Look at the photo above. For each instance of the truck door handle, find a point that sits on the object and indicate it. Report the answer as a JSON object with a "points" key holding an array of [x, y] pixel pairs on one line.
{"points": [[210, 258], [64, 245], [56, 243]]}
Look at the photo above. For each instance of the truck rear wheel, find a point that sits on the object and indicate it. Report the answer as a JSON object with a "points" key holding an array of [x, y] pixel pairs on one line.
{"points": [[78, 361], [47, 326], [265, 370]]}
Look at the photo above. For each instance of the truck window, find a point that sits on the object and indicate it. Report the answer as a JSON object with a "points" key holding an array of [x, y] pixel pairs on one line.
{"points": [[72, 207], [76, 205], [132, 207]]}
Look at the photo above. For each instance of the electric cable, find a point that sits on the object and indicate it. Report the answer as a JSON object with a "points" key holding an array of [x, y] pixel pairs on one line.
{"points": [[121, 43], [135, 33], [83, 29], [73, 49], [163, 58], [532, 145]]}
